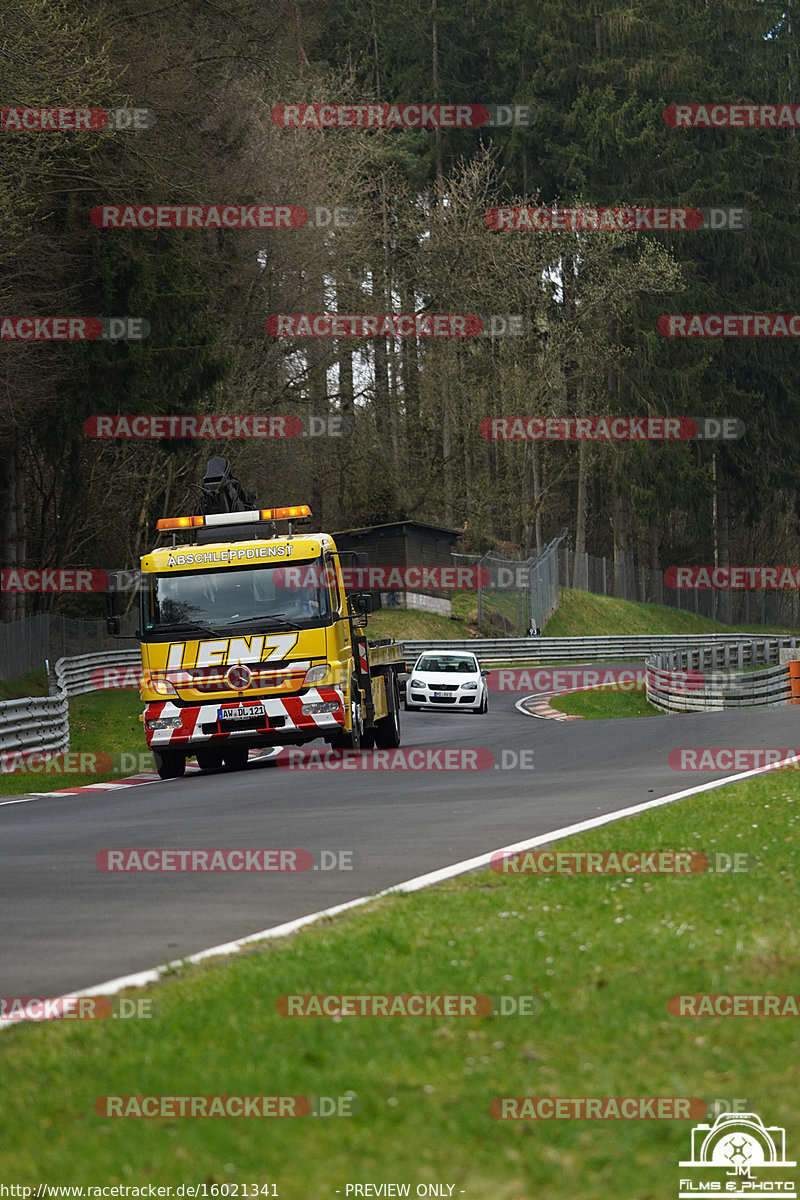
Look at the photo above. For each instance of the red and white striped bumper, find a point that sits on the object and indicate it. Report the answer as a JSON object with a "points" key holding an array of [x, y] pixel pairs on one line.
{"points": [[284, 715]]}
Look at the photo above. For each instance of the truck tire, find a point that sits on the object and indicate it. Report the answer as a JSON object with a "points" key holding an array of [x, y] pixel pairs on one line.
{"points": [[235, 758], [209, 760], [387, 730], [352, 740], [170, 764]]}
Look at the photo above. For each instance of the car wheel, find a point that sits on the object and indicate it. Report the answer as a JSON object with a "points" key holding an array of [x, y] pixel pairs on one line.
{"points": [[170, 764], [235, 758], [209, 760], [410, 707]]}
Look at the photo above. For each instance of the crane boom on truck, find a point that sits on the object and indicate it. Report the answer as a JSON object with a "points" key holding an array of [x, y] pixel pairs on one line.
{"points": [[249, 638]]}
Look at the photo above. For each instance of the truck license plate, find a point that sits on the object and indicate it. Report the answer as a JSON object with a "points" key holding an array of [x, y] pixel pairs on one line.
{"points": [[243, 713]]}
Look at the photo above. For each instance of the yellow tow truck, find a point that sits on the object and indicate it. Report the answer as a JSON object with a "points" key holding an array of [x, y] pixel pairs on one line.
{"points": [[249, 638]]}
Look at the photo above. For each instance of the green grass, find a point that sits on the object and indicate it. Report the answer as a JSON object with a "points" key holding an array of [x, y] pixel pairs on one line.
{"points": [[601, 956], [35, 683], [582, 614], [409, 624], [604, 703]]}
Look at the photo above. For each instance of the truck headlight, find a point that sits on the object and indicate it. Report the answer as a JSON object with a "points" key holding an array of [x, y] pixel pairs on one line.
{"points": [[161, 686], [165, 723], [315, 674], [315, 707]]}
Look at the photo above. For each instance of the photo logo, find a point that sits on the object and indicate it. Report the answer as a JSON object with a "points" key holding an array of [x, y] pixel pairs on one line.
{"points": [[729, 1152]]}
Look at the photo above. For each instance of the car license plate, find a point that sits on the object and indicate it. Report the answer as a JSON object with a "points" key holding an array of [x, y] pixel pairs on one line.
{"points": [[441, 695], [243, 713]]}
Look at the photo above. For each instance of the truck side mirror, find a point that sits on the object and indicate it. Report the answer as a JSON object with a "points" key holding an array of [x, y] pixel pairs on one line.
{"points": [[362, 602]]}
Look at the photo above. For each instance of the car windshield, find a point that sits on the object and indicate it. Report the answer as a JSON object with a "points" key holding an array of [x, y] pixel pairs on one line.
{"points": [[216, 599], [446, 663]]}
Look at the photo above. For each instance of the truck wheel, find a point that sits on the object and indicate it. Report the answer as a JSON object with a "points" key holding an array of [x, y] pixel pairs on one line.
{"points": [[170, 764], [352, 740], [369, 738], [209, 760], [387, 730], [236, 757]]}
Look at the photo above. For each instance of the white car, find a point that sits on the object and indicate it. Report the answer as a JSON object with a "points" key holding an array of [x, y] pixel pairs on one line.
{"points": [[447, 680]]}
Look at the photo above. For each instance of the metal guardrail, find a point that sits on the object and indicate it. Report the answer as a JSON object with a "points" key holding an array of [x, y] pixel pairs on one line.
{"points": [[536, 651], [709, 688], [35, 723], [41, 723], [78, 676]]}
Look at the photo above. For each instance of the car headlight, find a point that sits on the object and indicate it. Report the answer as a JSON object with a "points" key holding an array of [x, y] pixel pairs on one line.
{"points": [[469, 687], [416, 683]]}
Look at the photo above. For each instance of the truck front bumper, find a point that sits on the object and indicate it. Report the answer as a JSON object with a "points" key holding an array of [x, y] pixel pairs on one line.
{"points": [[189, 726]]}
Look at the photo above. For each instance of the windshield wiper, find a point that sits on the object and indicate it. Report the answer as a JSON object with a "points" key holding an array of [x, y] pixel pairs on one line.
{"points": [[277, 618], [184, 626]]}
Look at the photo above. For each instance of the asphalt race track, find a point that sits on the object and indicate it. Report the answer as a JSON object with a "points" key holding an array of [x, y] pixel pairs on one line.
{"points": [[66, 925]]}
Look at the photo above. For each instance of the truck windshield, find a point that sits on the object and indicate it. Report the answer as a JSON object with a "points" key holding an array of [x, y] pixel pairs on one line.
{"points": [[181, 601]]}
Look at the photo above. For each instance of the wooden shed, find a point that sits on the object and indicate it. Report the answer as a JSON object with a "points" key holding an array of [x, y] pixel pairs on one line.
{"points": [[405, 544]]}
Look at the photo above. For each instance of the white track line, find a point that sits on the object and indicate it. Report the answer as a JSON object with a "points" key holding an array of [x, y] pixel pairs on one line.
{"points": [[154, 974]]}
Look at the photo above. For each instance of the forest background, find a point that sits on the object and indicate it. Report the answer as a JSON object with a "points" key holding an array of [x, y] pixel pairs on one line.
{"points": [[598, 77]]}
